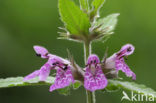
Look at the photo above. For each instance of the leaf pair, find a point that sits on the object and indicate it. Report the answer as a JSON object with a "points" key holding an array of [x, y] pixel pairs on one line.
{"points": [[79, 23], [113, 85]]}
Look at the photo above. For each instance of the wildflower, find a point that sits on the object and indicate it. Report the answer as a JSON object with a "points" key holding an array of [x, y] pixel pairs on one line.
{"points": [[62, 66], [44, 72], [64, 75], [94, 78], [117, 61]]}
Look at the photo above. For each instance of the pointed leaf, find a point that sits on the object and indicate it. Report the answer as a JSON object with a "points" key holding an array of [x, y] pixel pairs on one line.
{"points": [[18, 81], [75, 20], [107, 24]]}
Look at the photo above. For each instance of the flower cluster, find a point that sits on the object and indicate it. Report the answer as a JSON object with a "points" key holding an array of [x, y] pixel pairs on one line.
{"points": [[93, 76]]}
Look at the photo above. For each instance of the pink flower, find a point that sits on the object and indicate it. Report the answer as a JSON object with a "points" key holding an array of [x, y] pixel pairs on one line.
{"points": [[44, 71], [63, 78], [94, 78], [117, 61], [62, 66]]}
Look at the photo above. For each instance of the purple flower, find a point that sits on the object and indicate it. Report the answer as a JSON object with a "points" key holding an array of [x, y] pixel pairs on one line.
{"points": [[63, 78], [62, 66], [94, 78], [41, 51], [117, 61], [44, 72], [64, 75]]}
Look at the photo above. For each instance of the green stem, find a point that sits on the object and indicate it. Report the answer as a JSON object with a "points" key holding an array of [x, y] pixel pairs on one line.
{"points": [[87, 52], [90, 97]]}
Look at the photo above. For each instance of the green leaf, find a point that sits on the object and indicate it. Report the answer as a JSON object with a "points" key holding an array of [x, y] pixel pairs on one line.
{"points": [[18, 81], [107, 25], [131, 86], [84, 5], [96, 5], [64, 91], [76, 85], [103, 28], [113, 85], [75, 20]]}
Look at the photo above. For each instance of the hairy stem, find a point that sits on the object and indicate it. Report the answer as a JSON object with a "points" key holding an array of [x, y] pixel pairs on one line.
{"points": [[87, 52]]}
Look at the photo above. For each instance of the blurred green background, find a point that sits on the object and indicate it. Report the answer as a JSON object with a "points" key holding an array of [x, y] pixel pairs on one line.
{"points": [[24, 23]]}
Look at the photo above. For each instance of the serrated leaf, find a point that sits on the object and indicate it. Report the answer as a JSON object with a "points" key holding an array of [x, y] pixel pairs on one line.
{"points": [[84, 5], [18, 81], [131, 86], [113, 85], [96, 5], [75, 20], [107, 24]]}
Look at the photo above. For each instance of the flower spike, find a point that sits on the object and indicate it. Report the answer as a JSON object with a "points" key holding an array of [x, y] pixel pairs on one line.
{"points": [[117, 61], [94, 78]]}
